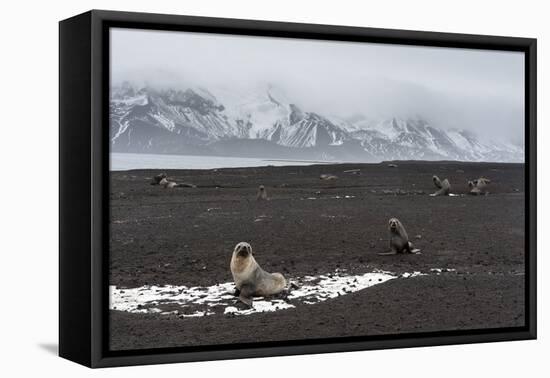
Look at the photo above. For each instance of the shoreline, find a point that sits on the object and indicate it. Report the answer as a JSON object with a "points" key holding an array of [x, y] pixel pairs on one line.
{"points": [[305, 163]]}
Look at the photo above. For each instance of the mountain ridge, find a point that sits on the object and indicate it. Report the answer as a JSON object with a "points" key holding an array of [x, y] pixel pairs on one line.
{"points": [[201, 121]]}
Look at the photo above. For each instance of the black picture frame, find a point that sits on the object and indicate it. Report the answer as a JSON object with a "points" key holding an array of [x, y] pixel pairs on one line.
{"points": [[84, 189]]}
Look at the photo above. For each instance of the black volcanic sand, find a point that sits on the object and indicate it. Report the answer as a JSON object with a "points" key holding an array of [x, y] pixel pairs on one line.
{"points": [[185, 236]]}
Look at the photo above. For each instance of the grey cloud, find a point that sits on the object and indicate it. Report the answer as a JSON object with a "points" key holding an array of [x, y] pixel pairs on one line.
{"points": [[478, 90]]}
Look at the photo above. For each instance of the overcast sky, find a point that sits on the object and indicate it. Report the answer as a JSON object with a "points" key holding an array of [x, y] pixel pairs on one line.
{"points": [[478, 90]]}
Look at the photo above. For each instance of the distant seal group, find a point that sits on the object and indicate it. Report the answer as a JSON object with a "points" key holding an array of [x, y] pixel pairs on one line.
{"points": [[250, 279]]}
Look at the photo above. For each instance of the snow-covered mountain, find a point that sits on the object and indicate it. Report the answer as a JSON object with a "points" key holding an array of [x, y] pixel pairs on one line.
{"points": [[264, 123]]}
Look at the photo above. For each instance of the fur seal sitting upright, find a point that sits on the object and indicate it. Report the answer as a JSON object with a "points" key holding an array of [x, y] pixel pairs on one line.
{"points": [[158, 178], [262, 193], [399, 239], [250, 279], [443, 186], [479, 186]]}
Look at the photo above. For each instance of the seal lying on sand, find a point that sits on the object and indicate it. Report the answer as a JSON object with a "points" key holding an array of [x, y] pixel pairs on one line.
{"points": [[250, 279], [158, 178], [171, 184], [327, 177], [399, 240], [443, 186], [479, 186], [167, 184], [262, 193]]}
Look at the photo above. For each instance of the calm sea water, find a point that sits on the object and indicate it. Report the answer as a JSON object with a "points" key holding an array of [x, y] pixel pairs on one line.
{"points": [[126, 161]]}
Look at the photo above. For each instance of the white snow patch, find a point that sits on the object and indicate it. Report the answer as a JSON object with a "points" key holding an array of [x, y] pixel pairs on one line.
{"points": [[219, 299], [325, 287], [164, 121], [131, 101], [334, 197], [413, 274], [442, 270]]}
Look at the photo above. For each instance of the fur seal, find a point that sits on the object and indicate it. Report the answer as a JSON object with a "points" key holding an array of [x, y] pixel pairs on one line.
{"points": [[327, 177], [262, 193], [399, 239], [250, 279], [167, 184], [443, 186], [171, 184], [158, 178], [478, 186]]}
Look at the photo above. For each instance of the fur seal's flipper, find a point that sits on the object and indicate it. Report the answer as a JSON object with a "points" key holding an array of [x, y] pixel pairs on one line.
{"points": [[437, 182], [390, 253], [440, 192], [244, 303], [410, 249], [246, 300], [246, 293], [185, 185]]}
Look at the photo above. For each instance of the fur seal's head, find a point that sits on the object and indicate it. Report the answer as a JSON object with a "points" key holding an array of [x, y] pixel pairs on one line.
{"points": [[393, 224], [262, 188], [242, 250]]}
